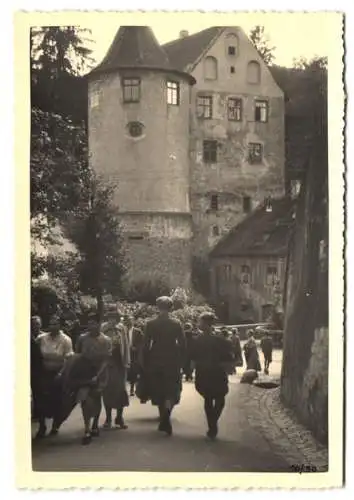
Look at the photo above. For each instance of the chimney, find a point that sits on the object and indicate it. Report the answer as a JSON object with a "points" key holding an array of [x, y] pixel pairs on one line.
{"points": [[183, 34]]}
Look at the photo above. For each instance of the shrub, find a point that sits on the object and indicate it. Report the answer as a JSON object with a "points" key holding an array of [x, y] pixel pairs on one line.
{"points": [[145, 291]]}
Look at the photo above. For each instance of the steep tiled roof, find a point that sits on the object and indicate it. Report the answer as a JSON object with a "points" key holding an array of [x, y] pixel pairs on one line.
{"points": [[135, 47], [261, 233], [185, 51]]}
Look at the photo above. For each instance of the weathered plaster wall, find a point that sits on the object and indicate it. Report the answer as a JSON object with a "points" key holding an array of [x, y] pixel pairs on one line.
{"points": [[304, 380], [243, 301], [151, 172], [233, 177]]}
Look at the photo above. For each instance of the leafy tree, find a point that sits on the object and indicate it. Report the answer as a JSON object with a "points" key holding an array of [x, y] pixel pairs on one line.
{"points": [[59, 56], [96, 233], [59, 175], [261, 42], [305, 89], [58, 50]]}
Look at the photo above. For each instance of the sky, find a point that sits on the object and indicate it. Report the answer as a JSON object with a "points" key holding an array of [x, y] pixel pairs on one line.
{"points": [[293, 35]]}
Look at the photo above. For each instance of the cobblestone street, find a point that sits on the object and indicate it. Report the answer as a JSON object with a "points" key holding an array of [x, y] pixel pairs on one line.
{"points": [[255, 435]]}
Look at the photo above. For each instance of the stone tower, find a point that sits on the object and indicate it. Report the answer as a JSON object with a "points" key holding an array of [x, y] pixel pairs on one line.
{"points": [[139, 139]]}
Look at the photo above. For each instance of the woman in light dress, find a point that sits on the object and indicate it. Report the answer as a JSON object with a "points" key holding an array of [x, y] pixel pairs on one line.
{"points": [[55, 347]]}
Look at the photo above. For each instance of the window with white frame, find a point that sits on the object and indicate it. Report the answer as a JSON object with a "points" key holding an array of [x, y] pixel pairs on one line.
{"points": [[255, 152], [204, 107], [227, 272], [131, 89], [272, 276], [261, 111], [245, 274], [173, 92], [210, 151], [234, 109]]}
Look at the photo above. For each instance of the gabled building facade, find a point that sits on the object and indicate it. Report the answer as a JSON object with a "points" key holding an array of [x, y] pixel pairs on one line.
{"points": [[193, 133], [236, 130], [248, 265]]}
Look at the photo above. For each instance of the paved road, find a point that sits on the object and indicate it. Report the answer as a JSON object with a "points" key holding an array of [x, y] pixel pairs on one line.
{"points": [[239, 447]]}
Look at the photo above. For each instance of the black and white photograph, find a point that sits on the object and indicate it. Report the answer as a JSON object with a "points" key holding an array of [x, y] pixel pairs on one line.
{"points": [[181, 188]]}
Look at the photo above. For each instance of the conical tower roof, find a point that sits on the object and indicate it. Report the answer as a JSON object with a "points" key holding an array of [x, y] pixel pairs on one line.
{"points": [[136, 47]]}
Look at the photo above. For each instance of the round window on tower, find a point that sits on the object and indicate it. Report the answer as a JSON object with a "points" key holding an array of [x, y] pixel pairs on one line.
{"points": [[135, 129]]}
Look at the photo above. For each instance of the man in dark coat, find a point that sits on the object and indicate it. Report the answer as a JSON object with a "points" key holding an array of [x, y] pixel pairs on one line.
{"points": [[267, 349], [213, 358], [163, 358]]}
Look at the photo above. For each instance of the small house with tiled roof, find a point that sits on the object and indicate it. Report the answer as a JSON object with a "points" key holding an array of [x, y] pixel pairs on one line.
{"points": [[248, 264], [192, 132]]}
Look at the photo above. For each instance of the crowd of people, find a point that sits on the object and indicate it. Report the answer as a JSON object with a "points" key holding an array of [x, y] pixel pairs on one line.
{"points": [[150, 360]]}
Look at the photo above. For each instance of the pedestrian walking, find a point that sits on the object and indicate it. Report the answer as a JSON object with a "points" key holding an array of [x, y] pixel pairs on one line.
{"points": [[36, 364], [55, 347], [115, 395], [163, 359], [251, 353], [267, 349], [135, 342], [236, 347], [212, 355], [188, 369], [95, 349]]}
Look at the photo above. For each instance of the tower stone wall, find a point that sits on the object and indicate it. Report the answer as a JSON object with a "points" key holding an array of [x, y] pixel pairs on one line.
{"points": [[143, 148]]}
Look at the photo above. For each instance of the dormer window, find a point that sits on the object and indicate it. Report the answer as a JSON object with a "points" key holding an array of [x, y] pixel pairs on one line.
{"points": [[131, 89], [173, 93]]}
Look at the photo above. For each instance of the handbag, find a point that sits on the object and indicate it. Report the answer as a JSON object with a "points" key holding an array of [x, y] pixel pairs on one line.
{"points": [[141, 390]]}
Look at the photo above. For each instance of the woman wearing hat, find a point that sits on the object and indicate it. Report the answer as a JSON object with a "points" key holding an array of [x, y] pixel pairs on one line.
{"points": [[251, 352], [163, 358]]}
